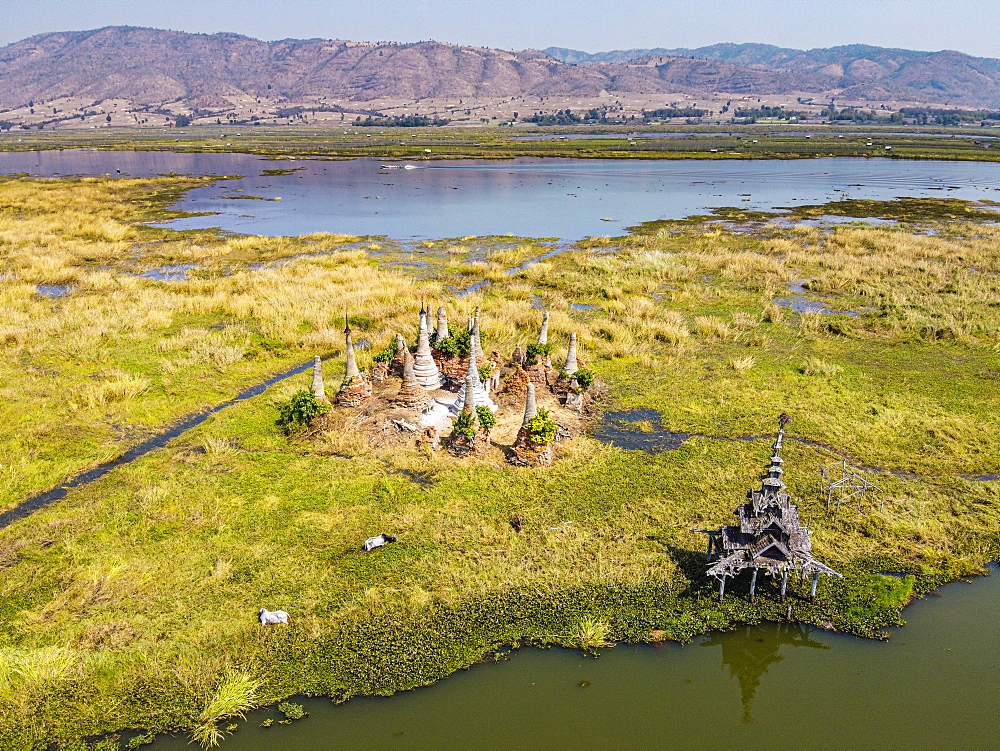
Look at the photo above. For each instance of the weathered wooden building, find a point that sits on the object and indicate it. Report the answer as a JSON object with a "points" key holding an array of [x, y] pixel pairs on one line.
{"points": [[769, 537]]}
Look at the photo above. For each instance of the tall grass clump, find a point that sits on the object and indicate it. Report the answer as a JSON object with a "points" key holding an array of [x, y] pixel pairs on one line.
{"points": [[817, 366], [236, 695], [712, 326]]}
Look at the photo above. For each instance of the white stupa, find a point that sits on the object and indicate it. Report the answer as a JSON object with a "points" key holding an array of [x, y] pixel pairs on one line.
{"points": [[479, 392], [424, 367]]}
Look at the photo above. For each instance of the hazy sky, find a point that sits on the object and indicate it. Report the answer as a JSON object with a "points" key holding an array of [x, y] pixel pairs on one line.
{"points": [[971, 26]]}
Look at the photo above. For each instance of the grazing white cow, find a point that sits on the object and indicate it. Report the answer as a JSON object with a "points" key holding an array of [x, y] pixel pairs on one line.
{"points": [[378, 541], [269, 618]]}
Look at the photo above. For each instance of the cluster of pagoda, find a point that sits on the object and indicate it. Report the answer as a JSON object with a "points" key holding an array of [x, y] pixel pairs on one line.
{"points": [[769, 537], [438, 387]]}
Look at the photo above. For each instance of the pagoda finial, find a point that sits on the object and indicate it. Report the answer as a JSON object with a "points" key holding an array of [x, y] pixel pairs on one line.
{"points": [[530, 407], [783, 420], [352, 363], [442, 325], [347, 323], [408, 375], [571, 365]]}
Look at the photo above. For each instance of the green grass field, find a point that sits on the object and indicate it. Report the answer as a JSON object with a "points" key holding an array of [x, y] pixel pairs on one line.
{"points": [[703, 142], [133, 602]]}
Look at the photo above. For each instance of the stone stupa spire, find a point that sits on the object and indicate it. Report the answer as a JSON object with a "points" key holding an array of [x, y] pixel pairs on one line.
{"points": [[442, 325], [480, 397], [530, 406], [411, 394], [571, 365], [424, 367], [352, 362], [319, 391], [469, 403], [355, 388], [475, 343], [543, 334]]}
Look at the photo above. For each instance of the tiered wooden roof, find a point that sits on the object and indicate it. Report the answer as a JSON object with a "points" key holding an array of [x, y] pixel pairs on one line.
{"points": [[769, 536]]}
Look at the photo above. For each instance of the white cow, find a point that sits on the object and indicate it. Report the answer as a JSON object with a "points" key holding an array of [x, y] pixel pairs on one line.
{"points": [[269, 618], [378, 541]]}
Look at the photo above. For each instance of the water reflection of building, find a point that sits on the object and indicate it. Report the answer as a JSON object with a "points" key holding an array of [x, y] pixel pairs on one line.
{"points": [[751, 651]]}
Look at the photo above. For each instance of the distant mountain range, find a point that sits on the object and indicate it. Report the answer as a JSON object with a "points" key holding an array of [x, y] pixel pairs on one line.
{"points": [[155, 68], [857, 70]]}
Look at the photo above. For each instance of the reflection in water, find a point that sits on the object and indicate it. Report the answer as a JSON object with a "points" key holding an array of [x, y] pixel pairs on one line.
{"points": [[749, 653]]}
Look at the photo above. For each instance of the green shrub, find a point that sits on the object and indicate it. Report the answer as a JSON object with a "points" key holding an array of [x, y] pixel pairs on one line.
{"points": [[585, 378], [486, 417], [299, 411], [463, 425], [385, 355], [536, 351], [485, 372], [542, 428], [456, 345]]}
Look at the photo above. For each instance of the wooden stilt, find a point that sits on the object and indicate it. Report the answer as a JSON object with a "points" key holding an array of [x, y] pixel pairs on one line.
{"points": [[784, 583], [812, 590], [722, 587], [753, 583], [708, 553]]}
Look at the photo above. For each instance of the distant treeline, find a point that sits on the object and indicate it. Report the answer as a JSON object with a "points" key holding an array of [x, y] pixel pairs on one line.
{"points": [[667, 112], [400, 121], [559, 117], [767, 113], [928, 116]]}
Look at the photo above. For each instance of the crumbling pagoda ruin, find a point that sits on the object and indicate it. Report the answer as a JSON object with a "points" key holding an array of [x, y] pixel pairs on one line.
{"points": [[450, 390], [769, 537]]}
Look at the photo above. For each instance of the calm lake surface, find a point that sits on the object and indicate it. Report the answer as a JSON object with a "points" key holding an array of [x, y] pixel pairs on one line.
{"points": [[563, 198], [934, 685]]}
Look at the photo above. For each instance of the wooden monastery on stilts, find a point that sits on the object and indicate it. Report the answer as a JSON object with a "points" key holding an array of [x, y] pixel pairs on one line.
{"points": [[769, 537]]}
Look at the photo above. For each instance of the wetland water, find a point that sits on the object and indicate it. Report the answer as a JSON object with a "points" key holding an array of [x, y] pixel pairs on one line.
{"points": [[564, 198], [934, 685]]}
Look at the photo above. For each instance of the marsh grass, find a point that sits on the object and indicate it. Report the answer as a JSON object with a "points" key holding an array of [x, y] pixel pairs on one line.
{"points": [[234, 698], [132, 603]]}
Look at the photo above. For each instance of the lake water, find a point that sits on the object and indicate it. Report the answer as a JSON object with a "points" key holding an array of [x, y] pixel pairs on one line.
{"points": [[934, 685], [563, 198]]}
